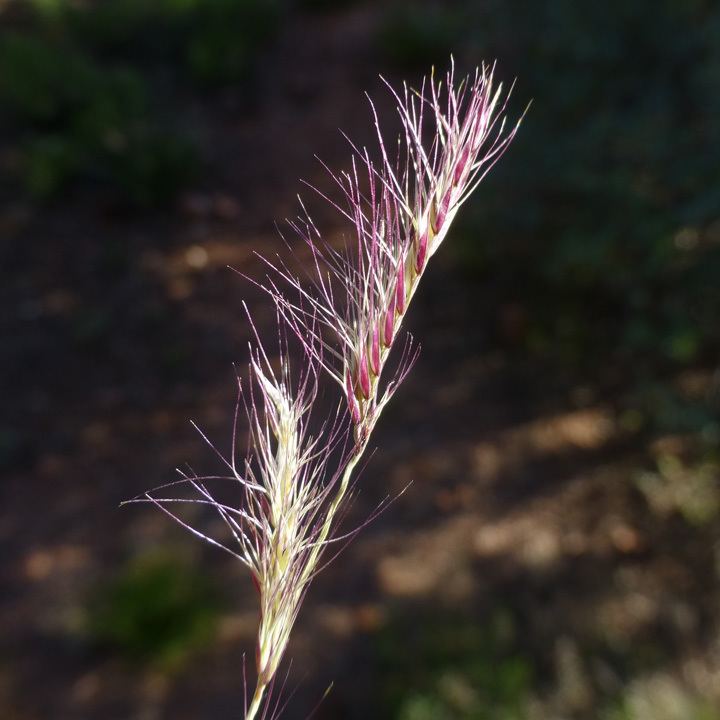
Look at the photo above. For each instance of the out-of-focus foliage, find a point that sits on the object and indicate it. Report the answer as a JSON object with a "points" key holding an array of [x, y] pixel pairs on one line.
{"points": [[463, 669], [215, 41], [597, 241], [78, 119], [88, 86], [661, 698], [450, 669], [690, 488], [415, 40], [602, 223], [606, 211], [159, 610]]}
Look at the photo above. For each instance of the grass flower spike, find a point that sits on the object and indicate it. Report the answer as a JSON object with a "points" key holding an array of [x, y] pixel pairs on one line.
{"points": [[285, 495], [285, 482], [299, 467], [401, 209]]}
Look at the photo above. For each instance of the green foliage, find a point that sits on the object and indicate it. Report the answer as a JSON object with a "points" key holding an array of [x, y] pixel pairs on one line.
{"points": [[603, 215], [445, 668], [226, 37], [39, 82], [414, 38], [80, 119], [49, 163], [660, 698], [690, 488], [84, 85], [660, 408], [158, 611], [214, 41]]}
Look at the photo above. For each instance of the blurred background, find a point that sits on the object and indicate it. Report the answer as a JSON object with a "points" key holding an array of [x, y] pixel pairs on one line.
{"points": [[558, 553]]}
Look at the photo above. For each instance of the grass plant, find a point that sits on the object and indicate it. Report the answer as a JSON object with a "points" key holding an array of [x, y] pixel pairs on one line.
{"points": [[301, 459]]}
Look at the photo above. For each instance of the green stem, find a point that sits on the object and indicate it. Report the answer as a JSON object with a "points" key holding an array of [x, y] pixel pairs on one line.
{"points": [[332, 510], [257, 699], [345, 481]]}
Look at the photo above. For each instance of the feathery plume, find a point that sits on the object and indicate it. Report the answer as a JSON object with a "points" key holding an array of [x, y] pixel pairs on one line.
{"points": [[401, 210], [285, 483], [295, 480]]}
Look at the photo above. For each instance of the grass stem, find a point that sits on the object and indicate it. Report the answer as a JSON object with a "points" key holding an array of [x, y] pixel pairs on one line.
{"points": [[257, 699]]}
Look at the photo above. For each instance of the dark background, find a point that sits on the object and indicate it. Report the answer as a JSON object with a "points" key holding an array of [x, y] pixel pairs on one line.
{"points": [[558, 553]]}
